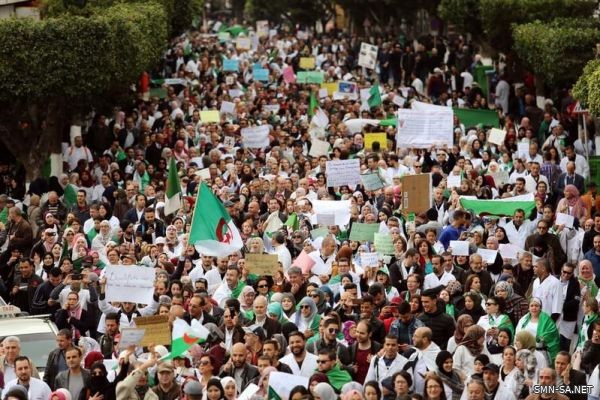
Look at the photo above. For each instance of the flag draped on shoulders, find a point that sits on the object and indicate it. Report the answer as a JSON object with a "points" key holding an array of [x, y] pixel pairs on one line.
{"points": [[213, 232]]}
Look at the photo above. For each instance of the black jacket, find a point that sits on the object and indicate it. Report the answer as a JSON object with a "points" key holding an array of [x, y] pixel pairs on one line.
{"points": [[572, 300], [441, 325], [40, 300], [51, 370], [270, 326], [63, 321], [576, 379], [250, 375], [342, 351]]}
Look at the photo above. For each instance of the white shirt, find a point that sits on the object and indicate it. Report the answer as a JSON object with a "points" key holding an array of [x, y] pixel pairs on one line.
{"points": [[378, 371], [309, 364], [213, 280], [432, 280], [222, 293], [73, 154], [550, 292], [418, 85], [530, 183], [581, 166], [283, 256], [518, 237], [38, 389]]}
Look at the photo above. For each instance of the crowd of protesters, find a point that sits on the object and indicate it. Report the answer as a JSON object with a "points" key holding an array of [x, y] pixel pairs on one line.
{"points": [[420, 324]]}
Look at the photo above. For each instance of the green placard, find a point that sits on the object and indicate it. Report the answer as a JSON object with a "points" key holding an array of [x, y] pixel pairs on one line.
{"points": [[384, 244], [319, 232], [362, 232], [310, 77], [371, 182], [474, 117]]}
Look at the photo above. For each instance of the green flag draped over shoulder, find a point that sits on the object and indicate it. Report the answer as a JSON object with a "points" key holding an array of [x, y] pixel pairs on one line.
{"points": [[70, 196], [338, 377], [374, 96], [548, 333], [498, 207]]}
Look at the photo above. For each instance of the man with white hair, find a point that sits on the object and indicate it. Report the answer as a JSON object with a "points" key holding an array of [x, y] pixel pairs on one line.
{"points": [[11, 346]]}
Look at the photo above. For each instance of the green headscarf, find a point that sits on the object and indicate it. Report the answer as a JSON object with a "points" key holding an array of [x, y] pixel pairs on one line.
{"points": [[275, 309]]}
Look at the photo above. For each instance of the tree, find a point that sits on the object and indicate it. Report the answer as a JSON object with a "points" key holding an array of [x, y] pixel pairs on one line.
{"points": [[557, 51], [587, 88], [54, 68]]}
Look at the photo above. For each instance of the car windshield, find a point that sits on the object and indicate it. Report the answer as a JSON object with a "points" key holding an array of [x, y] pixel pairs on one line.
{"points": [[37, 346]]}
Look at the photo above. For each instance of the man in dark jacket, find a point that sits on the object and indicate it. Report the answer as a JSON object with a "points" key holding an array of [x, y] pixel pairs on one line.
{"points": [[567, 376], [328, 341], [25, 285], [75, 379], [572, 300], [57, 361], [239, 369], [434, 317], [42, 303], [362, 350], [150, 228]]}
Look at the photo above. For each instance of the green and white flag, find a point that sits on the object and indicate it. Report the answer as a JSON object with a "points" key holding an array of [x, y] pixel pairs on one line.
{"points": [[498, 207], [173, 195], [70, 196], [374, 96], [281, 384], [213, 232], [184, 336]]}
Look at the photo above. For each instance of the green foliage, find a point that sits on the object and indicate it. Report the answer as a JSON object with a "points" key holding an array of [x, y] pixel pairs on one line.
{"points": [[76, 56], [462, 13], [557, 50], [593, 100], [183, 14], [581, 89]]}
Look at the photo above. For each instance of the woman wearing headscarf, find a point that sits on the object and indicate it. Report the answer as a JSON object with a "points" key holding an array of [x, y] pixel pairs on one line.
{"points": [[494, 319], [515, 306], [99, 383], [274, 311], [323, 391], [229, 388], [307, 317], [526, 362], [347, 330], [214, 390], [288, 305], [73, 317], [453, 378], [542, 327], [319, 297], [462, 324], [472, 306], [571, 204], [246, 299], [472, 345]]}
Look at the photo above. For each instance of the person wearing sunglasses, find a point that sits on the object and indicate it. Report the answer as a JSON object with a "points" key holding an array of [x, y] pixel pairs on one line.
{"points": [[327, 364], [329, 341]]}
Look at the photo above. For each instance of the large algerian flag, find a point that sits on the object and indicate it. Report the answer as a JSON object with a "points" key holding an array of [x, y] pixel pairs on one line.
{"points": [[70, 196], [173, 195], [213, 232], [499, 207], [184, 336], [281, 384]]}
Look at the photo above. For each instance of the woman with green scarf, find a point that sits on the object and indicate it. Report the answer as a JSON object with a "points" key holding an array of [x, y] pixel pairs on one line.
{"points": [[586, 280], [495, 319], [542, 327], [590, 314], [274, 311]]}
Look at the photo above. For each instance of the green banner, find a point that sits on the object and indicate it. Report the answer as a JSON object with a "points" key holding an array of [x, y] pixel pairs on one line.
{"points": [[362, 232], [384, 244], [471, 118], [310, 77]]}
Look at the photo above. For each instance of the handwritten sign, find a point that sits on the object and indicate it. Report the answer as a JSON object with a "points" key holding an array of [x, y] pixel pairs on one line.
{"points": [[424, 128], [326, 219], [454, 181], [380, 137], [497, 136], [243, 43], [371, 182], [231, 65], [488, 256], [523, 150], [131, 284], [307, 63], [131, 337], [157, 329], [319, 232], [362, 231], [459, 247], [384, 244], [369, 259], [227, 107], [343, 172], [262, 264], [210, 116], [310, 77], [256, 137]]}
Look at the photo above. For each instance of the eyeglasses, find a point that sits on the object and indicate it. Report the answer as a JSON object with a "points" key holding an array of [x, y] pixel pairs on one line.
{"points": [[417, 166], [322, 361], [297, 237], [543, 228], [262, 286], [333, 330], [204, 362], [567, 272], [305, 306]]}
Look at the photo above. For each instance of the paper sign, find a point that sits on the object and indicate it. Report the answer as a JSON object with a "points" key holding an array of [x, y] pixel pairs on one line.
{"points": [[243, 43], [322, 93], [262, 28], [497, 136], [249, 392], [307, 63], [523, 151], [509, 250], [129, 283], [320, 119], [341, 209], [304, 261], [454, 181], [256, 137], [380, 137], [319, 232], [261, 75], [227, 107], [262, 264], [302, 35], [565, 219], [343, 172], [363, 232], [326, 219], [233, 93], [331, 87], [274, 108], [423, 129], [131, 337], [229, 142], [204, 174], [224, 36], [310, 77], [231, 65], [384, 244], [500, 178], [348, 87], [282, 383], [210, 116], [371, 182], [476, 163], [157, 329], [369, 259], [288, 75], [459, 247], [318, 148], [488, 256], [368, 55], [399, 101], [229, 80]]}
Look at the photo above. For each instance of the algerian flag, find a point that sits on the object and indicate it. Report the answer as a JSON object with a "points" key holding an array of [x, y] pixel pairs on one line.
{"points": [[313, 103], [213, 232], [184, 336], [498, 207], [292, 221], [70, 196], [374, 96], [173, 195], [281, 384]]}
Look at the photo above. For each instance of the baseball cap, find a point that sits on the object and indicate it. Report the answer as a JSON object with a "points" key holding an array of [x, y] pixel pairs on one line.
{"points": [[256, 330], [492, 367], [165, 367]]}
